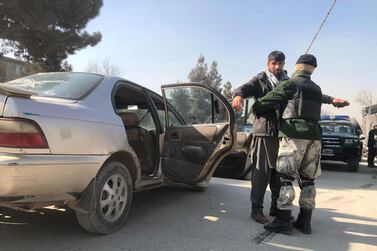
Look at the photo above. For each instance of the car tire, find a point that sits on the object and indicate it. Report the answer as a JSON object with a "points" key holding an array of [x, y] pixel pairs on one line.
{"points": [[111, 201], [353, 164]]}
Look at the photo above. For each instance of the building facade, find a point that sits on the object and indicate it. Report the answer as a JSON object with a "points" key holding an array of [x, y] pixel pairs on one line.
{"points": [[370, 115], [11, 68]]}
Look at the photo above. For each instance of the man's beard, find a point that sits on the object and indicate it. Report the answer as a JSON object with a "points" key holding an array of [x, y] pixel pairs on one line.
{"points": [[277, 73]]}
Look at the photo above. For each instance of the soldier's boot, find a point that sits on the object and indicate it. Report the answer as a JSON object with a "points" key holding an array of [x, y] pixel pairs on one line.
{"points": [[274, 213], [282, 223], [303, 221]]}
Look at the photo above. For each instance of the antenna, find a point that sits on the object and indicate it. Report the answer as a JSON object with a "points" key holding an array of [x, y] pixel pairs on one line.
{"points": [[320, 27]]}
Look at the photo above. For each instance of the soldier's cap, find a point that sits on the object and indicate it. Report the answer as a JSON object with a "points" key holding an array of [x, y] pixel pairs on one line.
{"points": [[307, 59]]}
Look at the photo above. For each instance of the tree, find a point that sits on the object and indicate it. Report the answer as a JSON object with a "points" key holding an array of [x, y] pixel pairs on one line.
{"points": [[181, 102], [47, 31], [103, 67], [228, 94], [214, 77], [199, 73], [66, 66], [33, 68], [227, 91], [366, 98], [199, 106]]}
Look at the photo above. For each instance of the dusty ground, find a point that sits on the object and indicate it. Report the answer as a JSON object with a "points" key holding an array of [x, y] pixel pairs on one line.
{"points": [[174, 218]]}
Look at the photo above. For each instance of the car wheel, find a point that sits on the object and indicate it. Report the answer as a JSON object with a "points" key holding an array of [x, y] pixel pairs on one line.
{"points": [[111, 201], [353, 164]]}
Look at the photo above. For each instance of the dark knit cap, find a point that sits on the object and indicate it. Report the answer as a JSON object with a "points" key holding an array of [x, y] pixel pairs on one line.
{"points": [[307, 59]]}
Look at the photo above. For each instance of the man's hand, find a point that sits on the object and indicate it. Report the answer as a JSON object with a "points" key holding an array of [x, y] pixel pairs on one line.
{"points": [[237, 103], [338, 102]]}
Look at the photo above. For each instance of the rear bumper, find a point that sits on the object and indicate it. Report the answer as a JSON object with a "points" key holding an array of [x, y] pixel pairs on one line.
{"points": [[42, 178]]}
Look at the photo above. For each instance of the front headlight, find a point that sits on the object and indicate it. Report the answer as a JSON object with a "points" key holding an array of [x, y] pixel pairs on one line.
{"points": [[350, 141]]}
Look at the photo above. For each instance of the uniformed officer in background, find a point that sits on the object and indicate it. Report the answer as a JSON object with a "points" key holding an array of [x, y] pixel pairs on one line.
{"points": [[372, 146]]}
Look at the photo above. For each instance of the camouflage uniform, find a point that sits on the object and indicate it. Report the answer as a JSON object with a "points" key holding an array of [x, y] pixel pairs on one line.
{"points": [[300, 159], [300, 146]]}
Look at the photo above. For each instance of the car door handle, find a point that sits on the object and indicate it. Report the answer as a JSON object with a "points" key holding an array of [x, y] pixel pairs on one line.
{"points": [[226, 138]]}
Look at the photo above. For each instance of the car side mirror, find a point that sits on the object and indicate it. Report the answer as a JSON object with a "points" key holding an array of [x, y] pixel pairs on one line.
{"points": [[362, 137], [358, 132]]}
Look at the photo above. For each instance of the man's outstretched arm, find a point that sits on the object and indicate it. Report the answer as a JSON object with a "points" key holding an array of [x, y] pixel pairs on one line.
{"points": [[337, 102]]}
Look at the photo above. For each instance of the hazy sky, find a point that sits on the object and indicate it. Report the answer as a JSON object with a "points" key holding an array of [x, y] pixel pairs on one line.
{"points": [[159, 41]]}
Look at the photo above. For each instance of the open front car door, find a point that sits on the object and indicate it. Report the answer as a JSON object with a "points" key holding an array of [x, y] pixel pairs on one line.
{"points": [[199, 126]]}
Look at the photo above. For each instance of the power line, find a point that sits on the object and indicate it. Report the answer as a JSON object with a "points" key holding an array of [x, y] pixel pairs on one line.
{"points": [[320, 27]]}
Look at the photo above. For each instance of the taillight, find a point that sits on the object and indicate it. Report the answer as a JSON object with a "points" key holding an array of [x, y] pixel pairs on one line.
{"points": [[21, 133]]}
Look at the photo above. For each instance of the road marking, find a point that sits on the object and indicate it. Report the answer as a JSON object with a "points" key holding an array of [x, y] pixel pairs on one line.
{"points": [[211, 218], [355, 221], [360, 234]]}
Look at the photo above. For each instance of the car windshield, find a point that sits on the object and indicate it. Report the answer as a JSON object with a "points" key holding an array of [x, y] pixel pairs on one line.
{"points": [[67, 85], [330, 128]]}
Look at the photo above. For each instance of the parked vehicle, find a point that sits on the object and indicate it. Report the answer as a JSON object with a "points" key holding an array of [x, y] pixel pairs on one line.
{"points": [[90, 141], [342, 140]]}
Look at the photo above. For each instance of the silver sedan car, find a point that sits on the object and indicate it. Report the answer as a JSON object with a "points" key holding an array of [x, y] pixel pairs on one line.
{"points": [[89, 141]]}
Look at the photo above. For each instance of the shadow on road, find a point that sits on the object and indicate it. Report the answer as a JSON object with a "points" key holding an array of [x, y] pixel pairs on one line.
{"points": [[174, 218]]}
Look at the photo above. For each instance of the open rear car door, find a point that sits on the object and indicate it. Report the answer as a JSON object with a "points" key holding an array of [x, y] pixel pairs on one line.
{"points": [[199, 132]]}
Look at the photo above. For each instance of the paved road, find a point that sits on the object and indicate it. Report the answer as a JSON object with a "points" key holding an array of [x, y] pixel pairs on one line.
{"points": [[174, 218]]}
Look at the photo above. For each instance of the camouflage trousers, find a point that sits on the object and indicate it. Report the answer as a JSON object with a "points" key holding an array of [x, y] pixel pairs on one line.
{"points": [[298, 159]]}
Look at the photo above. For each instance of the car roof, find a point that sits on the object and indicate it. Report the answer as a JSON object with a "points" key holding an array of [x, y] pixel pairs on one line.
{"points": [[115, 79]]}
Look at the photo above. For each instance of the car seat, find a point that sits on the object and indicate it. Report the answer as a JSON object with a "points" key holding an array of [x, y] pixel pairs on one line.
{"points": [[140, 140]]}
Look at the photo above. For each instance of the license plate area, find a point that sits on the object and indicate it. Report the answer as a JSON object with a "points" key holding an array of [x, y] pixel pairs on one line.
{"points": [[327, 152]]}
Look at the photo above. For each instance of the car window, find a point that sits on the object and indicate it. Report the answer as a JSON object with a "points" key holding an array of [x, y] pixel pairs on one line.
{"points": [[244, 119], [160, 106], [196, 105], [144, 115], [173, 120], [66, 85]]}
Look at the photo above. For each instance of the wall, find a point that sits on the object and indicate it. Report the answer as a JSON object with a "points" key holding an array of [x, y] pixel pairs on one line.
{"points": [[11, 69]]}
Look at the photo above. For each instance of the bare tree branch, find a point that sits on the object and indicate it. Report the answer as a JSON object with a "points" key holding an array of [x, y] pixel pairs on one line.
{"points": [[366, 98], [103, 67]]}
